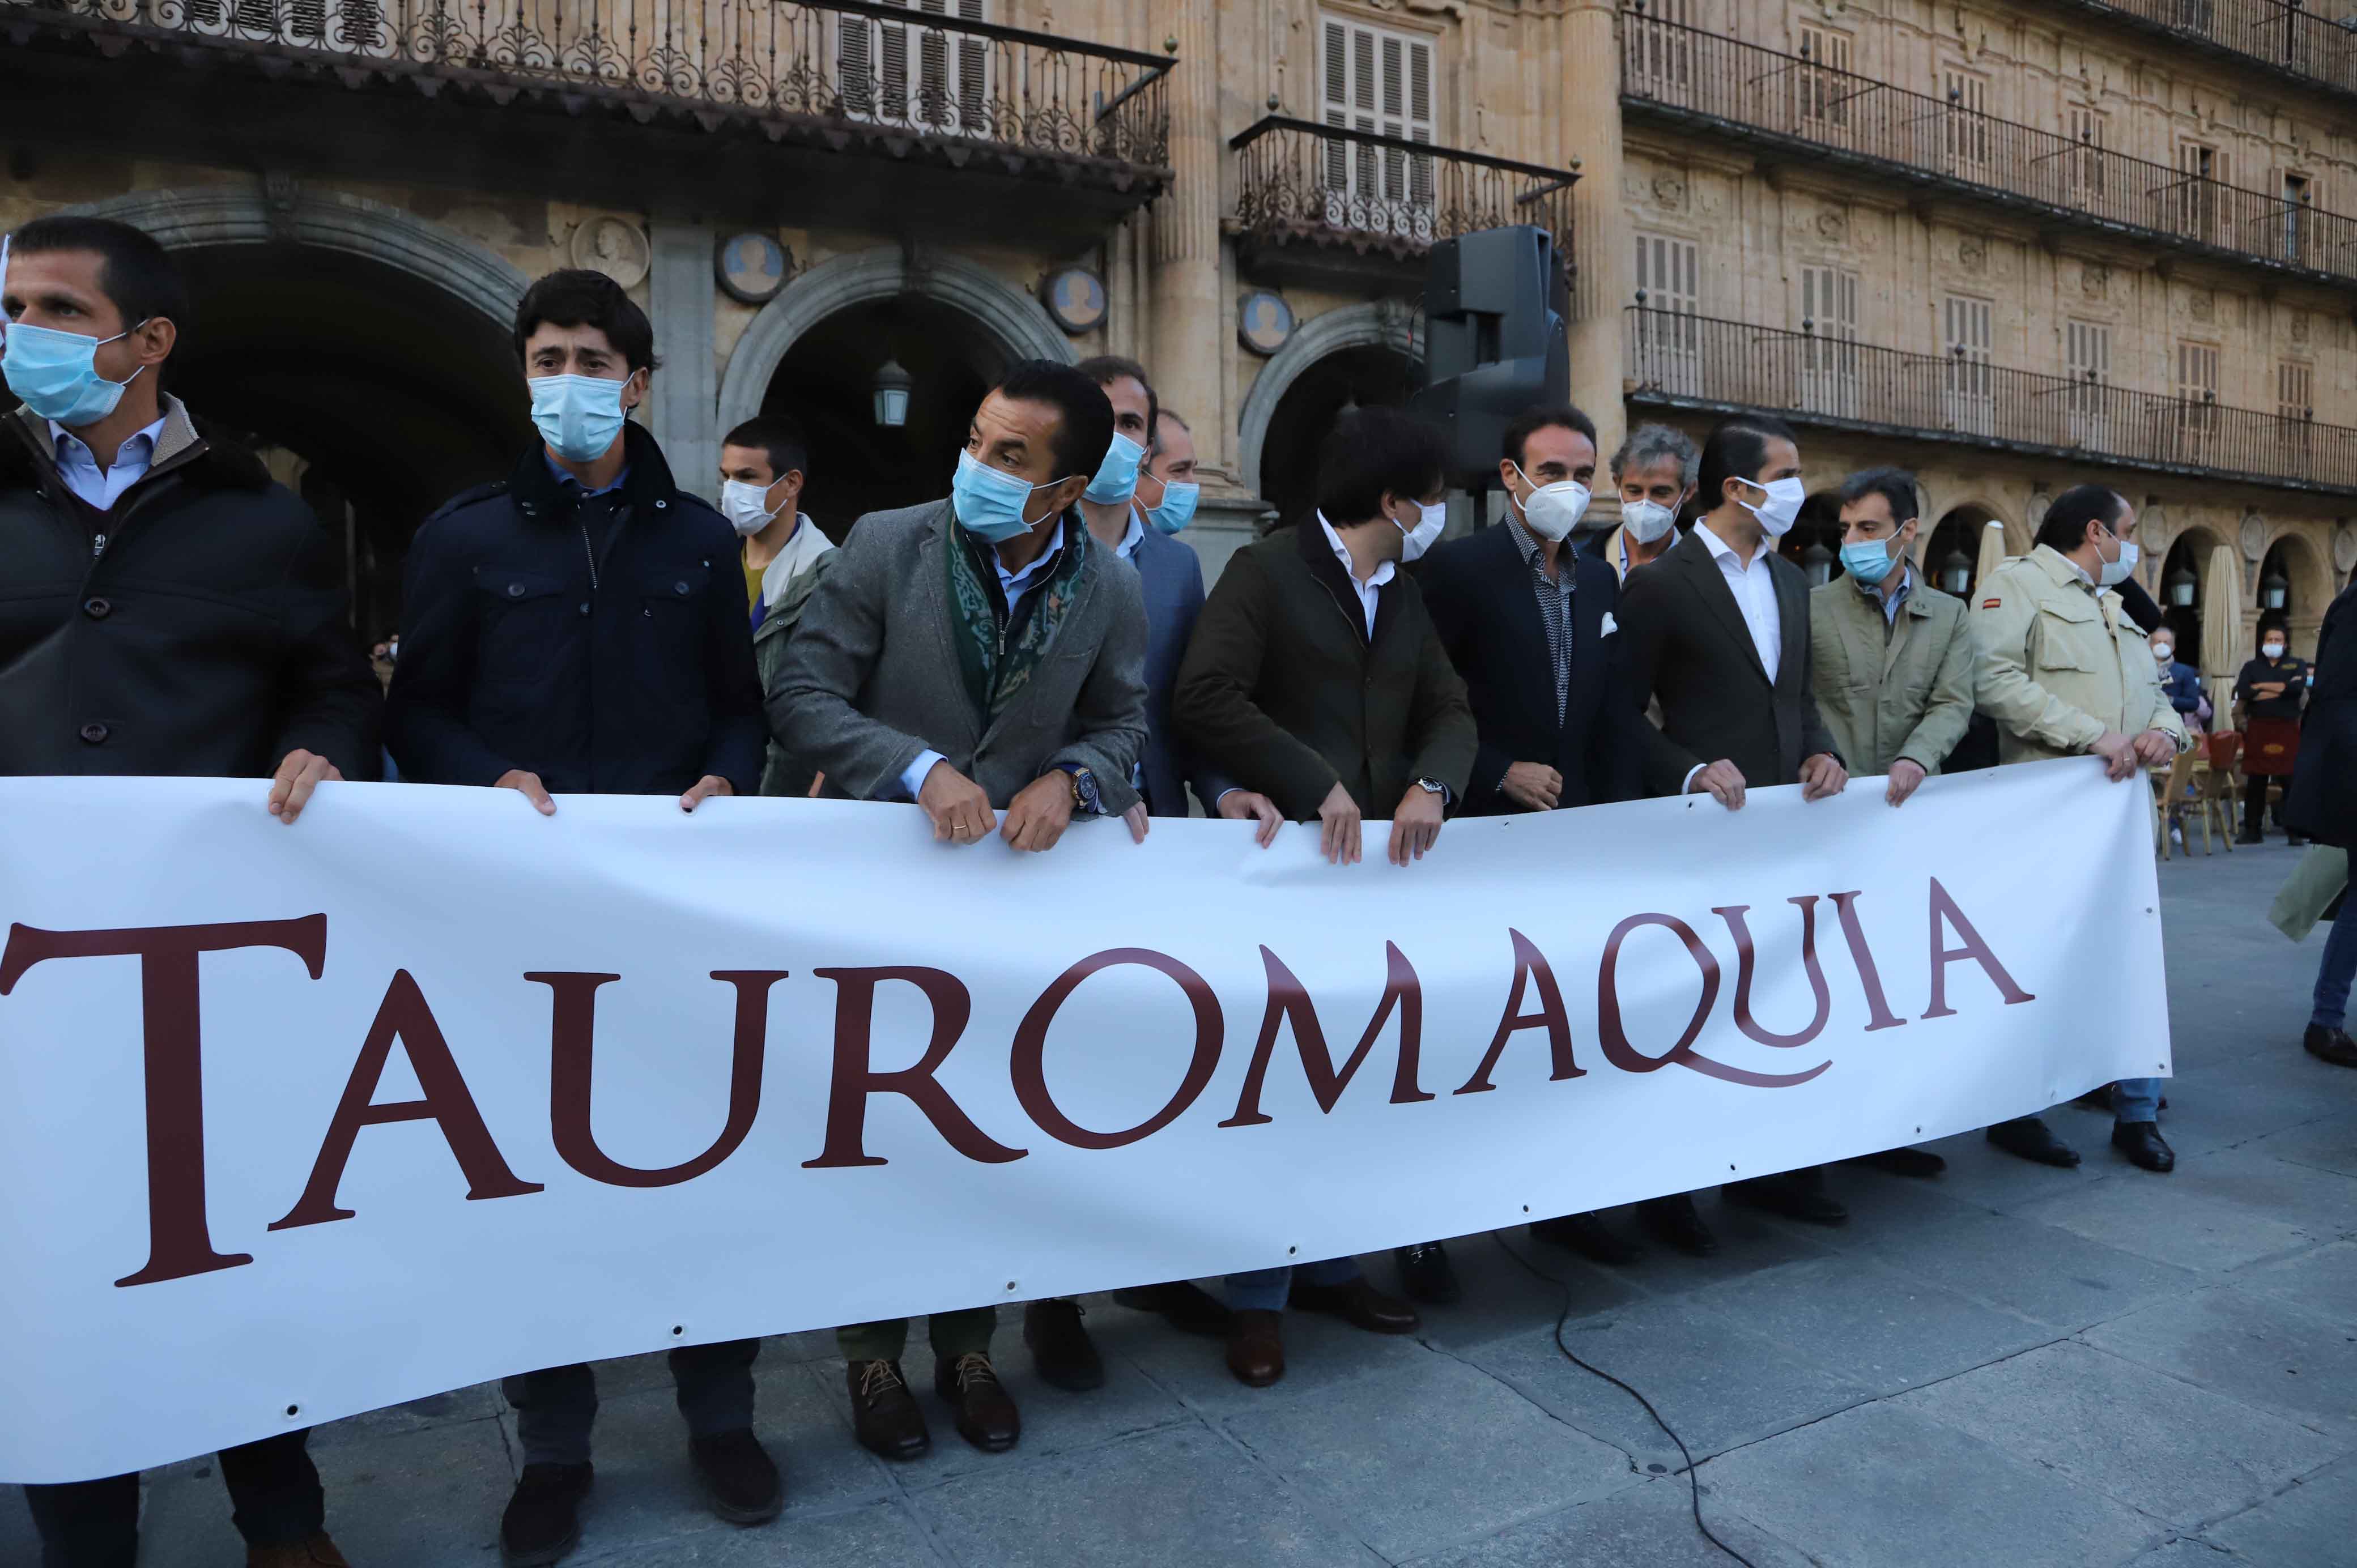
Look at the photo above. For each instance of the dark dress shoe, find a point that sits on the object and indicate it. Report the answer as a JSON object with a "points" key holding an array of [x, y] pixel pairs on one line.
{"points": [[1921, 1164], [544, 1517], [1673, 1221], [1425, 1274], [985, 1414], [1590, 1237], [2141, 1141], [2031, 1139], [1182, 1304], [1791, 1195], [317, 1553], [1061, 1349], [1358, 1304], [884, 1414], [739, 1478], [2096, 1099], [1255, 1347], [2333, 1046]]}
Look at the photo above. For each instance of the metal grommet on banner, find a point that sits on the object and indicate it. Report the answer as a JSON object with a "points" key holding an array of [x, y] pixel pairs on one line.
{"points": [[1289, 1252], [293, 1411], [1010, 1284], [678, 1329]]}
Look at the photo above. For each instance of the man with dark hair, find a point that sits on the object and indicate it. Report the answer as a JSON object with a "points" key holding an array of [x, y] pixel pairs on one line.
{"points": [[1317, 678], [134, 650], [1529, 624], [920, 672], [2269, 691], [763, 463], [1717, 632], [2065, 672], [579, 627]]}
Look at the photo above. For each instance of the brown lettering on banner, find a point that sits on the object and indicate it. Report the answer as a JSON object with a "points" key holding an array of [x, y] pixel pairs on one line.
{"points": [[1878, 1005], [1614, 1034], [1029, 1061], [854, 1079], [447, 1103], [179, 1242], [1289, 1002], [1746, 966], [1530, 965], [572, 1050], [1944, 910]]}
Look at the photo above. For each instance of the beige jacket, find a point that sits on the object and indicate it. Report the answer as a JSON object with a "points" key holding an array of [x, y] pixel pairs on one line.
{"points": [[2057, 664], [1904, 691]]}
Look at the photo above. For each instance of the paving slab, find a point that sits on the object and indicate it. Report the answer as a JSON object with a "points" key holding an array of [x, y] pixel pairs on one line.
{"points": [[1879, 1485], [1647, 1526], [2222, 1211], [1886, 1329], [1424, 1457], [2178, 1453], [2042, 1272], [884, 1535], [1186, 1495], [2329, 1144], [2234, 1342], [1716, 1382], [2189, 1551], [2325, 1278], [1986, 1176], [2304, 1526]]}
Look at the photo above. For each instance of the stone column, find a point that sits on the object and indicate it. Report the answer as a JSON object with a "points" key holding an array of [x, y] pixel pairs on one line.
{"points": [[683, 409], [1187, 319], [1592, 132]]}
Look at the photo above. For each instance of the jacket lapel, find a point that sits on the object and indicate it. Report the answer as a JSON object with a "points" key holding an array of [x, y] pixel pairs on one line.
{"points": [[1791, 617], [1702, 569]]}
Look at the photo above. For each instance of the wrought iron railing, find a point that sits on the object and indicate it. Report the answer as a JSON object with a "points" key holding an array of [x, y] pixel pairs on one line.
{"points": [[1809, 377], [826, 68], [1788, 100], [1299, 182], [2292, 40]]}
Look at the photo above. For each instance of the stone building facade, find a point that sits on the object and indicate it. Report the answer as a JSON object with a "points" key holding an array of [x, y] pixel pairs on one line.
{"points": [[2011, 245]]}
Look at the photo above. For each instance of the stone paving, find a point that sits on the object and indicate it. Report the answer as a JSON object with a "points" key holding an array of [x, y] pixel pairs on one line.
{"points": [[2010, 1365]]}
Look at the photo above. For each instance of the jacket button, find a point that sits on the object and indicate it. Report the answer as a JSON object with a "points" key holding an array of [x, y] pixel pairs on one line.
{"points": [[585, 607], [679, 587], [97, 609], [94, 734], [515, 590], [659, 505]]}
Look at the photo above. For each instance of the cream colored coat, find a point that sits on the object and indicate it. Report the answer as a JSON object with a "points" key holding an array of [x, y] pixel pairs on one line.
{"points": [[2057, 665]]}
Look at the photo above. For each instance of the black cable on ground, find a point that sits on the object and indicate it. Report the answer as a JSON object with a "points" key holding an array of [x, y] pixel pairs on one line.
{"points": [[1693, 1485]]}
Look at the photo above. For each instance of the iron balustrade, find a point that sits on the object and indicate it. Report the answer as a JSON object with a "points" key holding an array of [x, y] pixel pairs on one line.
{"points": [[1787, 99], [1299, 181], [829, 68], [2289, 39], [1808, 377]]}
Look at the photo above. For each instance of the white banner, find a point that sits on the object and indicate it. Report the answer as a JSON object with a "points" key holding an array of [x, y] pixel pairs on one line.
{"points": [[298, 1121]]}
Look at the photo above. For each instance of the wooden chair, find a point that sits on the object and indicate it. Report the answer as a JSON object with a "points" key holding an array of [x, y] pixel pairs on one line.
{"points": [[2171, 785], [2214, 782]]}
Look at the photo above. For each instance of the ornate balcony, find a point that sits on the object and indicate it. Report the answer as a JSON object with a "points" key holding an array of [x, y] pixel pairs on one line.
{"points": [[1316, 200], [893, 80], [1787, 103], [2286, 40], [1679, 360]]}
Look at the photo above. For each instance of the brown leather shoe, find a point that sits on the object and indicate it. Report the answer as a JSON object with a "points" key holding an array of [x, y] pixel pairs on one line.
{"points": [[1255, 1347], [1358, 1304], [985, 1415], [317, 1553], [884, 1414]]}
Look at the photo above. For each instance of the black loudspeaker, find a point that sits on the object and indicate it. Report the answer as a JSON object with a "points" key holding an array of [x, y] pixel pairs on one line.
{"points": [[1494, 308]]}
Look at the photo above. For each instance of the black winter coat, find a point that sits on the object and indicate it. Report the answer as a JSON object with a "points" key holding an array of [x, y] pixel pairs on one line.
{"points": [[628, 672], [206, 638], [2323, 799]]}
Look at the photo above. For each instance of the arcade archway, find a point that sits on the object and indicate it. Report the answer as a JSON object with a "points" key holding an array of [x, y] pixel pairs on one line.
{"points": [[2184, 589], [1357, 354], [1951, 555], [2294, 569]]}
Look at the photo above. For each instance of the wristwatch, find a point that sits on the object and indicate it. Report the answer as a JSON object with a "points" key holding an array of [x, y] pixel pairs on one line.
{"points": [[1434, 786], [1084, 791]]}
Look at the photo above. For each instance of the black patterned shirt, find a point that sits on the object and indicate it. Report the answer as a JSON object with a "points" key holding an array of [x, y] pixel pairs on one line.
{"points": [[1554, 596]]}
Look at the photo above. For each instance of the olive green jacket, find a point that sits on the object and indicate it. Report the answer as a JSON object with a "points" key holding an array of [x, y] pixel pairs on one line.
{"points": [[2058, 665], [781, 774], [1891, 688]]}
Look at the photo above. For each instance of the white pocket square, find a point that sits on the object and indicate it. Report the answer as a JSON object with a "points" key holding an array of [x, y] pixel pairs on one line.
{"points": [[1608, 626]]}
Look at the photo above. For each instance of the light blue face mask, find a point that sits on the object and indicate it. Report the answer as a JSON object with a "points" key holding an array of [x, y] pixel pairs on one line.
{"points": [[989, 504], [578, 417], [1116, 479], [55, 374], [1178, 507], [1870, 562]]}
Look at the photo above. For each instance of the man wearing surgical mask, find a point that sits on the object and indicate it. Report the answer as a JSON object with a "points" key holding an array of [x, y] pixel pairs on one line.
{"points": [[1654, 473], [579, 627], [762, 464]]}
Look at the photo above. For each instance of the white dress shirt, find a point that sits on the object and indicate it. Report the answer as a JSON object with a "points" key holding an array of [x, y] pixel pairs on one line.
{"points": [[1127, 548], [97, 486], [1012, 584], [1754, 588], [1367, 590]]}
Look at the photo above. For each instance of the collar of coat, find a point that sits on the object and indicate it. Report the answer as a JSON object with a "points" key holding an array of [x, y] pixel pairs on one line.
{"points": [[194, 449], [539, 493], [1329, 571]]}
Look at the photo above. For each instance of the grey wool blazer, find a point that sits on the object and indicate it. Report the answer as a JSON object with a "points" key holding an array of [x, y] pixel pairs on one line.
{"points": [[871, 678]]}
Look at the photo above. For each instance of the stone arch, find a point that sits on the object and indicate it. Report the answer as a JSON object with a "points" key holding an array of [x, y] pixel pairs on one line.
{"points": [[1019, 322], [1375, 324], [2310, 569], [225, 215]]}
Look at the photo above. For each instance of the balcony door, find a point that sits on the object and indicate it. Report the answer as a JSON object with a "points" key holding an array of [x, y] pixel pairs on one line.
{"points": [[1669, 333], [2202, 170], [2295, 408], [1657, 51], [1829, 347], [1378, 81], [2197, 403], [918, 72], [1972, 383], [2087, 351], [1965, 124]]}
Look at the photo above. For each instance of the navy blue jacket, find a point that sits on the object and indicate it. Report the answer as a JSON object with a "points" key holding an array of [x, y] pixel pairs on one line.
{"points": [[1172, 579], [625, 674], [2182, 686]]}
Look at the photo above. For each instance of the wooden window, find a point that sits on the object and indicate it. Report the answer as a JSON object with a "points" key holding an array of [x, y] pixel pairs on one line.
{"points": [[2296, 390], [2085, 165], [1657, 52], [1967, 119], [1825, 95], [2197, 390], [1971, 384], [2087, 352], [2203, 169], [2297, 227], [1668, 347], [1829, 358], [1377, 81], [912, 73]]}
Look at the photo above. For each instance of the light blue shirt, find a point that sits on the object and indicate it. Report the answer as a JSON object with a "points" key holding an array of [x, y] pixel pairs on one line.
{"points": [[97, 486], [1013, 584], [1890, 605], [565, 476]]}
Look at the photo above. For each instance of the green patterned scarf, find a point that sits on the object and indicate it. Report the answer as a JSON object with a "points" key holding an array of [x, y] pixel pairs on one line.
{"points": [[998, 664]]}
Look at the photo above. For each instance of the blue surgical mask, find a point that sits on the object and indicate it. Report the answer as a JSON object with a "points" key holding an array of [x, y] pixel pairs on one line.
{"points": [[1870, 562], [990, 503], [1178, 507], [56, 375], [1116, 479], [578, 417]]}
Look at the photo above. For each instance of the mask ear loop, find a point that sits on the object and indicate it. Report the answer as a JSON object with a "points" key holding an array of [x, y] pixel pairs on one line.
{"points": [[5, 239]]}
